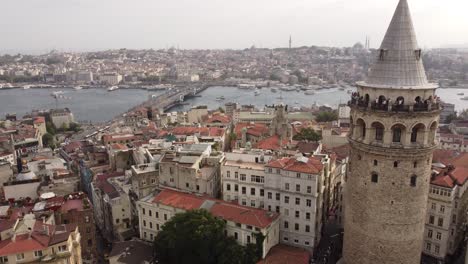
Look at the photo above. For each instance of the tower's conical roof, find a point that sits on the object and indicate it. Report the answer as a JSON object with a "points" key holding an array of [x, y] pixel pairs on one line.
{"points": [[399, 63]]}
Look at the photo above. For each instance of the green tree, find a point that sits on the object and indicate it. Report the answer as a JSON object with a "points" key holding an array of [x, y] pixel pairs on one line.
{"points": [[48, 140], [198, 237], [51, 129], [308, 134], [326, 116], [74, 127]]}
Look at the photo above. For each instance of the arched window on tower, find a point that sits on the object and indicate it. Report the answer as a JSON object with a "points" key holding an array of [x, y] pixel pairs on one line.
{"points": [[375, 177], [417, 134], [379, 131], [376, 162], [413, 180], [396, 134]]}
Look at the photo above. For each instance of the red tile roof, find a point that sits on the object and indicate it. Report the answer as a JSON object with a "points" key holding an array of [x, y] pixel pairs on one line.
{"points": [[228, 211], [283, 254], [39, 120], [218, 119], [312, 166], [272, 143], [257, 129]]}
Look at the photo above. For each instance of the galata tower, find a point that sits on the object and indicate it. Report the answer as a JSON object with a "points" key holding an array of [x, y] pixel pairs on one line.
{"points": [[394, 118]]}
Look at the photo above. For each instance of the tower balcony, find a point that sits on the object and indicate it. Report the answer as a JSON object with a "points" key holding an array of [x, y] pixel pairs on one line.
{"points": [[394, 108]]}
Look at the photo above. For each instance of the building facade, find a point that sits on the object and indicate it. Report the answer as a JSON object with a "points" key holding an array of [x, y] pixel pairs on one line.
{"points": [[242, 223], [293, 187], [394, 118]]}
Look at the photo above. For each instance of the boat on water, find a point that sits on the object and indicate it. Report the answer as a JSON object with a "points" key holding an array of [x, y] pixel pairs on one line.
{"points": [[257, 92], [112, 88], [57, 94], [464, 98], [246, 86], [341, 88], [220, 98], [274, 90], [288, 88], [309, 92], [77, 87], [460, 93], [26, 87]]}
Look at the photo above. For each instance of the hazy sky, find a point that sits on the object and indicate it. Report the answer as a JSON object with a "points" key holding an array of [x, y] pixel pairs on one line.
{"points": [[42, 25]]}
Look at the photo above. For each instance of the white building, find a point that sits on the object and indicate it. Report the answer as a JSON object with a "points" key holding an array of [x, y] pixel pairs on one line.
{"points": [[111, 78], [293, 187], [61, 117], [242, 223], [446, 211]]}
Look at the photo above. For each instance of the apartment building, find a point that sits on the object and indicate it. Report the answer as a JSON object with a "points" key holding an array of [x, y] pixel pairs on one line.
{"points": [[34, 241], [112, 206], [446, 210], [291, 186], [192, 169], [144, 178], [242, 222]]}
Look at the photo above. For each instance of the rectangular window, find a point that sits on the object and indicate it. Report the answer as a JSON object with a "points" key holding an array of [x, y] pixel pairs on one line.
{"points": [[298, 175], [428, 246], [262, 192], [252, 191], [144, 211], [429, 233], [236, 187], [38, 253], [277, 209], [244, 190], [436, 249], [270, 195], [286, 199], [20, 256], [228, 187], [157, 214], [441, 221], [242, 177], [62, 248], [307, 216], [309, 203], [431, 219], [244, 202], [309, 189], [165, 217], [298, 201], [433, 206], [150, 213], [286, 224], [307, 228], [286, 186], [278, 196], [297, 214], [296, 227], [442, 208], [252, 203], [228, 174], [439, 236], [236, 236], [298, 188]]}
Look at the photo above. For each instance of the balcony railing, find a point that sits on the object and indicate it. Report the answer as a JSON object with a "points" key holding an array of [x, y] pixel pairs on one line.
{"points": [[418, 107]]}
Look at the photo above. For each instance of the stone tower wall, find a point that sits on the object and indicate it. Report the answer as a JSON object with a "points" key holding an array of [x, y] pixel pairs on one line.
{"points": [[385, 219]]}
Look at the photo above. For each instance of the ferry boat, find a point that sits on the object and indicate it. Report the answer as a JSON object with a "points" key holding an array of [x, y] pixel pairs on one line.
{"points": [[26, 87], [112, 88], [246, 86], [220, 98], [57, 94], [257, 92], [77, 87]]}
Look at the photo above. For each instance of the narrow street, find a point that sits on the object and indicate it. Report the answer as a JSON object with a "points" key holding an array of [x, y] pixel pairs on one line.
{"points": [[329, 248]]}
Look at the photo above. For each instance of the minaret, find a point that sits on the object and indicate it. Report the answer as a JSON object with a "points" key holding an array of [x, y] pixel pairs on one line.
{"points": [[394, 118], [290, 42]]}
